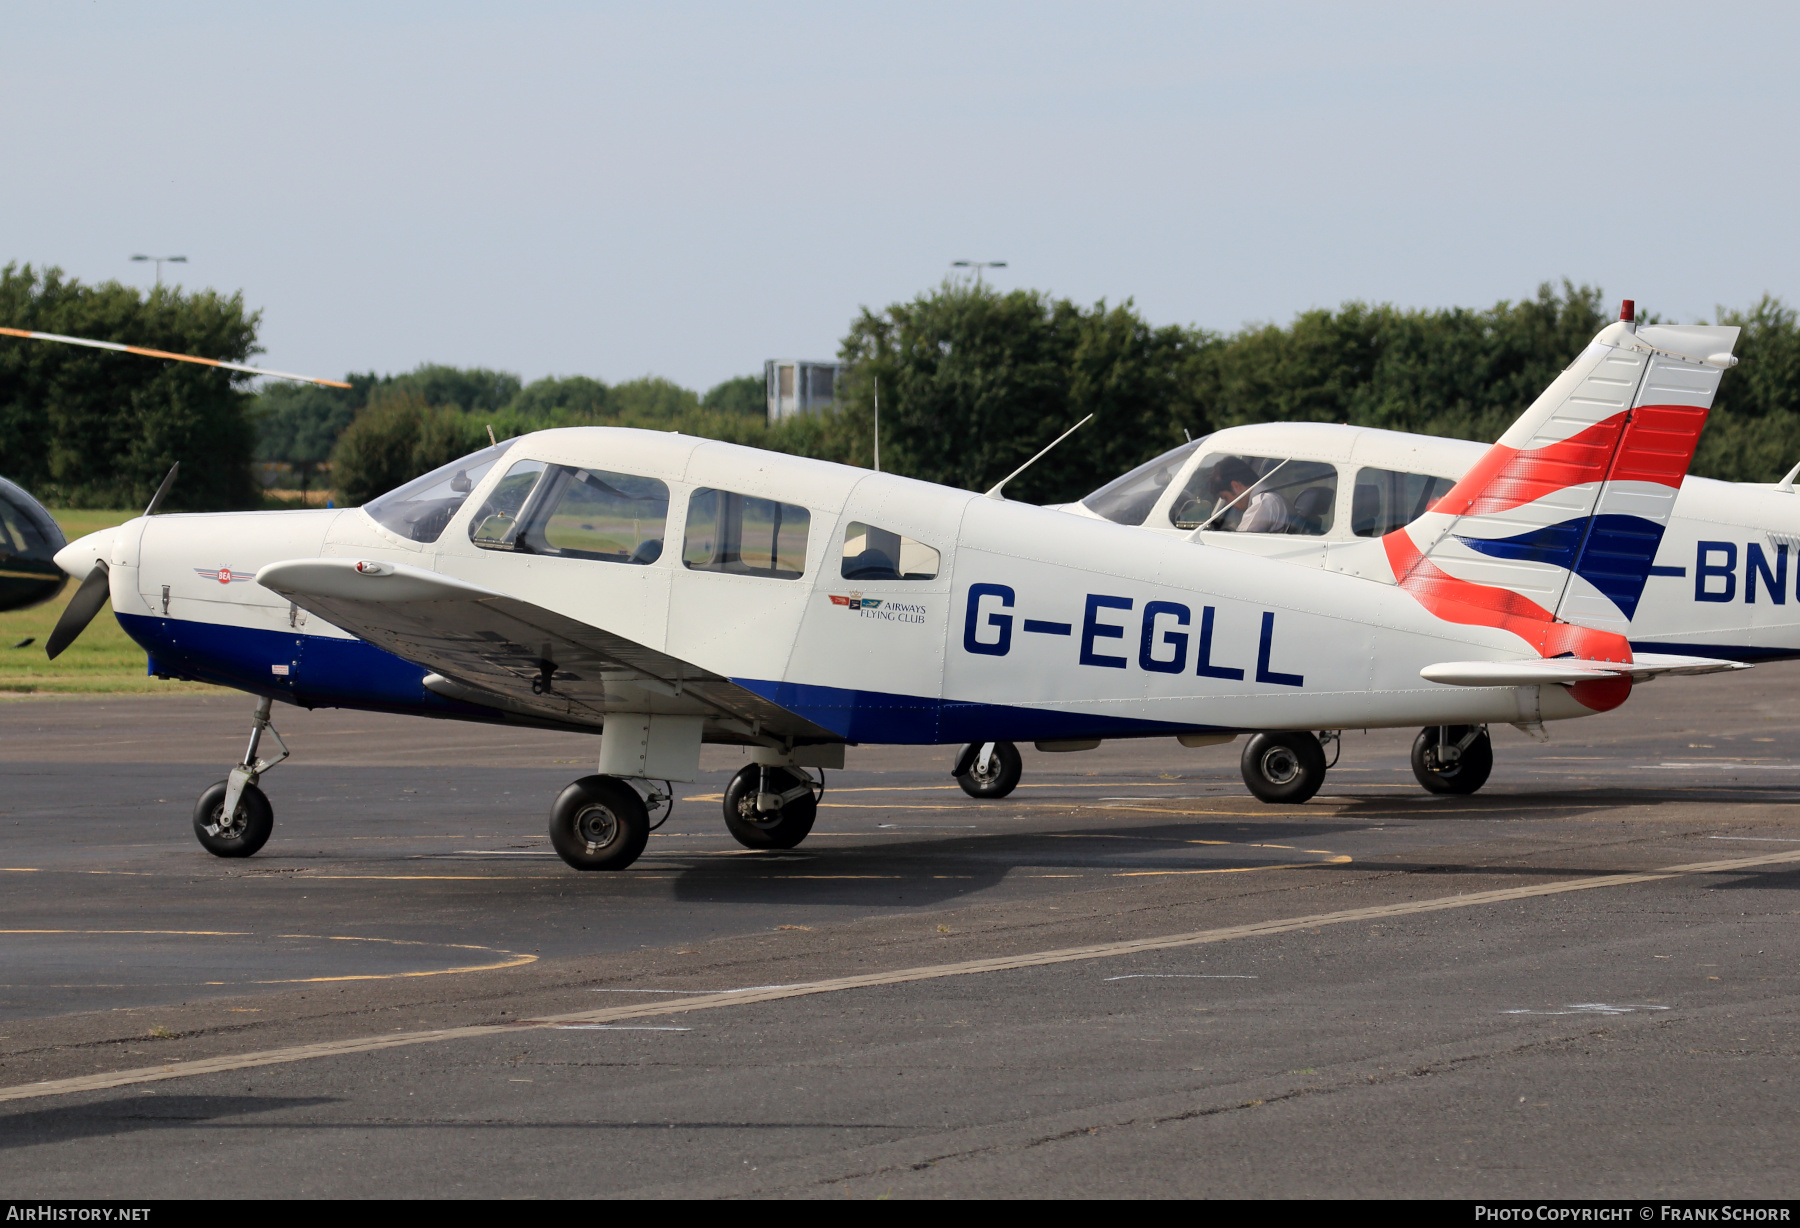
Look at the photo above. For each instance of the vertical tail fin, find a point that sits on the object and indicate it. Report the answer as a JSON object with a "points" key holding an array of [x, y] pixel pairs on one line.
{"points": [[1552, 533]]}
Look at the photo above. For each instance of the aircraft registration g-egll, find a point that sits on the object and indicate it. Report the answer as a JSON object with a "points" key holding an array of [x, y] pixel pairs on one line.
{"points": [[1320, 495], [799, 606]]}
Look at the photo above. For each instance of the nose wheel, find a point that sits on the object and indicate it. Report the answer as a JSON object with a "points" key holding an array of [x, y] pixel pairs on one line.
{"points": [[233, 817], [245, 831]]}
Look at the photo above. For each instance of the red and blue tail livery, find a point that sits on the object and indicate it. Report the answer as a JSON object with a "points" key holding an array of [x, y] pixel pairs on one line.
{"points": [[1552, 534]]}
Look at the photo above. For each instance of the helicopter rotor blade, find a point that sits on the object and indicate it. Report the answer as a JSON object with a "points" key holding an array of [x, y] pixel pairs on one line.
{"points": [[149, 353]]}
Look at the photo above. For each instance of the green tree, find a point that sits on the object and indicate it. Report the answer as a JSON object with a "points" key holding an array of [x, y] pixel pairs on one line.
{"points": [[1456, 371], [395, 438], [974, 382], [299, 424], [746, 394], [1753, 433], [100, 429]]}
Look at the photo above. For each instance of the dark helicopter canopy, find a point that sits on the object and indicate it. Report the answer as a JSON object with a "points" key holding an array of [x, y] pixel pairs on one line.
{"points": [[29, 540]]}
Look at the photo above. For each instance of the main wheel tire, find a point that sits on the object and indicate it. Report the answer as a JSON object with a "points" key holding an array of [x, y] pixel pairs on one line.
{"points": [[246, 831], [774, 829], [599, 823], [1004, 768], [1467, 774], [1284, 768]]}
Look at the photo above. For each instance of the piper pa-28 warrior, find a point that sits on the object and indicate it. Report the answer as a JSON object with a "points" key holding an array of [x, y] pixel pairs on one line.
{"points": [[664, 592], [1319, 494]]}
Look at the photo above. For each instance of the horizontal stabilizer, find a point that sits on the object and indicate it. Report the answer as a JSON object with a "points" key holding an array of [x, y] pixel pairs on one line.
{"points": [[1569, 671], [492, 650]]}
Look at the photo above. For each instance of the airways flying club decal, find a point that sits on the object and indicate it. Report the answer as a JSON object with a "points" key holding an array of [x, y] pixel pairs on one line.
{"points": [[224, 575], [879, 609]]}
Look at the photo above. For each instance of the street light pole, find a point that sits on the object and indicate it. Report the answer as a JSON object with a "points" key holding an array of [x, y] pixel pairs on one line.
{"points": [[160, 261], [978, 265]]}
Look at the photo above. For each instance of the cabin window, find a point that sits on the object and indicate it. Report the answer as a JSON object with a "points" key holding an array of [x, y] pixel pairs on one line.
{"points": [[1385, 500], [423, 508], [744, 535], [1128, 500], [880, 554], [1231, 493], [569, 512]]}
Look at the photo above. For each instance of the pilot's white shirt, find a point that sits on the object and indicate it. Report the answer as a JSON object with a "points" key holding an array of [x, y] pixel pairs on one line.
{"points": [[1266, 513]]}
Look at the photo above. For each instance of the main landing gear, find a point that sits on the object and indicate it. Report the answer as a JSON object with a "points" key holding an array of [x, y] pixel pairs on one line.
{"points": [[1287, 768], [1453, 758], [772, 807], [233, 818], [988, 769]]}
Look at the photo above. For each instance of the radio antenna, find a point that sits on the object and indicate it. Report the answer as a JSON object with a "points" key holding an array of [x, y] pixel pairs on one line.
{"points": [[877, 424], [995, 492]]}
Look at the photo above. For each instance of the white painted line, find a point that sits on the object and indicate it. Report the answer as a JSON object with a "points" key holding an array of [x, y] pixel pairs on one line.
{"points": [[615, 1027], [744, 989], [931, 826], [1769, 767], [1593, 1008], [1184, 976], [899, 976], [1759, 839]]}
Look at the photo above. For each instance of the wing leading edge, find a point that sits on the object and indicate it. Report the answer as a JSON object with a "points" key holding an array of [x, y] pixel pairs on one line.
{"points": [[488, 648]]}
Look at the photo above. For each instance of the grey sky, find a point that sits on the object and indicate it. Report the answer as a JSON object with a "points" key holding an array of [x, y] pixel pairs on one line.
{"points": [[688, 189]]}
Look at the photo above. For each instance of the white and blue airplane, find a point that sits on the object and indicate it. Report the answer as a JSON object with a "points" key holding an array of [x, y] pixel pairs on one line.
{"points": [[663, 592], [1724, 579]]}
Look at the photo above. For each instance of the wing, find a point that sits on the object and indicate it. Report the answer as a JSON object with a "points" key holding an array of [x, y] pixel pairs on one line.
{"points": [[488, 648], [1568, 671]]}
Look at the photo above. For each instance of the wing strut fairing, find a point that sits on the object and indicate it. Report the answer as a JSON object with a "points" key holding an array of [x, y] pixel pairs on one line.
{"points": [[488, 648]]}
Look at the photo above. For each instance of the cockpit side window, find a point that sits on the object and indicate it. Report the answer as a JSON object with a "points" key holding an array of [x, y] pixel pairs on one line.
{"points": [[744, 535], [1128, 499], [1231, 493], [422, 509], [879, 554], [575, 513], [1385, 499]]}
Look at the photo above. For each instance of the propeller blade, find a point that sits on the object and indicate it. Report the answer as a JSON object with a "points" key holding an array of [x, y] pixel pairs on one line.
{"points": [[81, 609], [163, 490]]}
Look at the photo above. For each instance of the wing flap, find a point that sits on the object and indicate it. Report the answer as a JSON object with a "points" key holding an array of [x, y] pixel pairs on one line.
{"points": [[532, 659]]}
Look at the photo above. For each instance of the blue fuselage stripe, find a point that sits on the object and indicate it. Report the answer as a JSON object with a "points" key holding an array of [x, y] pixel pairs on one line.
{"points": [[327, 672]]}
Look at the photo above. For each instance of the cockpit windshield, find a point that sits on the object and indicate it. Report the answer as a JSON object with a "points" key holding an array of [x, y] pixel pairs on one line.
{"points": [[1128, 500], [421, 509]]}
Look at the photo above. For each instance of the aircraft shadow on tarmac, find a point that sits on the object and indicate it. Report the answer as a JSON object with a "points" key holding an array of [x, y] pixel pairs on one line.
{"points": [[128, 1114], [930, 871]]}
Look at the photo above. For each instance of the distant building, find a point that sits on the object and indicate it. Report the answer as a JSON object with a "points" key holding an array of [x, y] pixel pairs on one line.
{"points": [[796, 387]]}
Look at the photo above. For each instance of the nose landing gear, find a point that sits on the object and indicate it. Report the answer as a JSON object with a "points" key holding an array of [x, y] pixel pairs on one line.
{"points": [[233, 817]]}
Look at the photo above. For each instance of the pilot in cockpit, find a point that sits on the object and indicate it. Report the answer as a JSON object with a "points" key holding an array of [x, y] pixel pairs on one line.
{"points": [[1265, 511]]}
